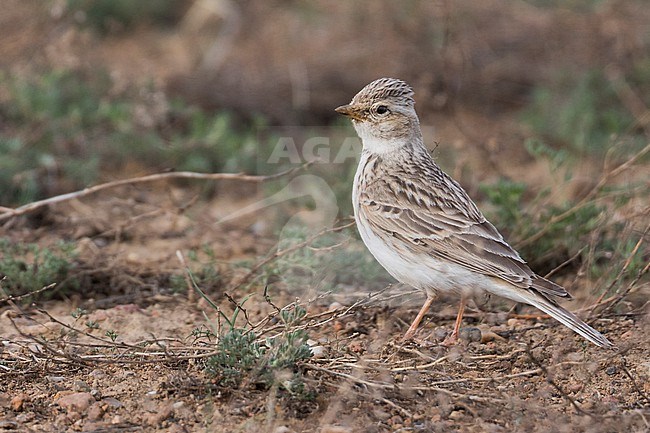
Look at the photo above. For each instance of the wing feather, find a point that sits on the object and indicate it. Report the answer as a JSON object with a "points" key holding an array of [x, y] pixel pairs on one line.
{"points": [[445, 223]]}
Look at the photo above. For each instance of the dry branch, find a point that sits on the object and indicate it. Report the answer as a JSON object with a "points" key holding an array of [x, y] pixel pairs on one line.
{"points": [[619, 295], [6, 213], [11, 298], [432, 386], [276, 255], [607, 176]]}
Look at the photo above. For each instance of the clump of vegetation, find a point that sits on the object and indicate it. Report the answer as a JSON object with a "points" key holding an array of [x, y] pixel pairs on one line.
{"points": [[584, 113], [242, 356], [62, 128], [588, 230], [328, 261], [204, 267], [238, 354], [27, 268], [111, 15]]}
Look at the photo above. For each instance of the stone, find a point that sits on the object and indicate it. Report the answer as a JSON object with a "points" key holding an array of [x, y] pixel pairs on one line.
{"points": [[78, 402], [154, 419], [18, 401], [95, 411]]}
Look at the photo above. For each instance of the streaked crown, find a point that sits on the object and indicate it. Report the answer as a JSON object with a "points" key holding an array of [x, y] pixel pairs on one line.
{"points": [[385, 88]]}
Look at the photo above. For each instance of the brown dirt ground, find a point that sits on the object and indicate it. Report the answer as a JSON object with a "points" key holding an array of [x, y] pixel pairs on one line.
{"points": [[57, 374], [527, 373]]}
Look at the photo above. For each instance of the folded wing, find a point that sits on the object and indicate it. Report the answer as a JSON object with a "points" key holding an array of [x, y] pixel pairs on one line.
{"points": [[445, 223]]}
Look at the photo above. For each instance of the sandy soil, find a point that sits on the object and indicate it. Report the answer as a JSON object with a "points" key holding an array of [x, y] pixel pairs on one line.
{"points": [[511, 372], [134, 357]]}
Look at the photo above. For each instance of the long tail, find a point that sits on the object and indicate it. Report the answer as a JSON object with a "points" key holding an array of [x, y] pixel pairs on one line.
{"points": [[568, 319]]}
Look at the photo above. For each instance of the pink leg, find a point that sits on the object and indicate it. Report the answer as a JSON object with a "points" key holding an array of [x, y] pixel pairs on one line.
{"points": [[453, 338], [418, 318]]}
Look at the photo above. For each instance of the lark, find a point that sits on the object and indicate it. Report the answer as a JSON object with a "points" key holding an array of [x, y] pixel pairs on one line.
{"points": [[422, 226]]}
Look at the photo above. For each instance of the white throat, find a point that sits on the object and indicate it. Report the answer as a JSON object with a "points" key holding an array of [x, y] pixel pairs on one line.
{"points": [[377, 145]]}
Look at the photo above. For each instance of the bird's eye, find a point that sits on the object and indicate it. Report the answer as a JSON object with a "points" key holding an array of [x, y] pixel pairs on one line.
{"points": [[382, 109]]}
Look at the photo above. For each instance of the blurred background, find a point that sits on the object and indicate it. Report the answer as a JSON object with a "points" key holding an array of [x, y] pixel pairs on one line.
{"points": [[528, 103], [539, 108], [105, 83]]}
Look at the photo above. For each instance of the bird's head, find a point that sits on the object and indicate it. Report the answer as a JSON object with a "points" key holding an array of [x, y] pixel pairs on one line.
{"points": [[383, 114]]}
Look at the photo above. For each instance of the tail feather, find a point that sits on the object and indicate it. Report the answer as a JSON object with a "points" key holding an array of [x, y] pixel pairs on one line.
{"points": [[549, 288], [568, 319]]}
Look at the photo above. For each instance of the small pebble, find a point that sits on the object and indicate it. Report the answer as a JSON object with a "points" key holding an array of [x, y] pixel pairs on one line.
{"points": [[380, 414], [513, 322], [611, 370], [575, 387], [80, 385], [334, 306], [25, 417], [487, 336], [439, 334], [8, 425], [456, 415], [154, 419], [78, 402], [55, 379], [538, 353], [112, 402], [95, 412], [97, 374], [318, 351], [18, 401], [356, 347], [471, 334], [627, 335]]}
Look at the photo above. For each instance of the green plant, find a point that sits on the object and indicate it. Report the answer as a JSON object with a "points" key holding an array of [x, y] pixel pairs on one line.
{"points": [[91, 324], [60, 129], [202, 332], [564, 236], [583, 113], [204, 268], [290, 346], [326, 262], [29, 267], [78, 312], [107, 15], [240, 354]]}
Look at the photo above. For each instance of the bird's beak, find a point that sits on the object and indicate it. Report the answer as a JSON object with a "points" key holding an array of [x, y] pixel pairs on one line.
{"points": [[350, 111]]}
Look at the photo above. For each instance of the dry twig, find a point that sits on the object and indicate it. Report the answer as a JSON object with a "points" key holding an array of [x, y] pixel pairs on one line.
{"points": [[542, 368], [6, 213], [277, 254], [12, 298], [619, 295], [608, 174]]}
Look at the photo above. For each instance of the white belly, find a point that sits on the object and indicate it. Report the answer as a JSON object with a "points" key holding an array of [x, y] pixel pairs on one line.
{"points": [[424, 272]]}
